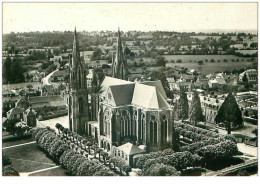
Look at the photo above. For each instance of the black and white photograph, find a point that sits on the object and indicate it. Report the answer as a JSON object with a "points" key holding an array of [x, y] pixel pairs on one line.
{"points": [[135, 89]]}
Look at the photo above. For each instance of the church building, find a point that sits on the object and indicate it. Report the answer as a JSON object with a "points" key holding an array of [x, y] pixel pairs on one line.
{"points": [[130, 115]]}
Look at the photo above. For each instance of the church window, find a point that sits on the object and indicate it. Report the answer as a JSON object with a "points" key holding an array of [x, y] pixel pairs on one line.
{"points": [[124, 123], [153, 129], [134, 123], [142, 126], [164, 126]]}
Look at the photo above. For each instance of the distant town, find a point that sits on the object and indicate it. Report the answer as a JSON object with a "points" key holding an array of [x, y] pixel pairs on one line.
{"points": [[130, 103]]}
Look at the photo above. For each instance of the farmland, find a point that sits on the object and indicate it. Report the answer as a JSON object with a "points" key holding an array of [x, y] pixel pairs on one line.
{"points": [[209, 67], [196, 58]]}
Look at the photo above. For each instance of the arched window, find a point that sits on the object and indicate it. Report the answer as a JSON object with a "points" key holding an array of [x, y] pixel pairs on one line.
{"points": [[134, 123], [80, 105], [142, 126], [153, 129], [124, 123], [164, 126], [106, 122]]}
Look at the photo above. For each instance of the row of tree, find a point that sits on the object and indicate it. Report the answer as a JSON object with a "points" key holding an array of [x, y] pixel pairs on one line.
{"points": [[193, 112], [13, 71], [71, 159]]}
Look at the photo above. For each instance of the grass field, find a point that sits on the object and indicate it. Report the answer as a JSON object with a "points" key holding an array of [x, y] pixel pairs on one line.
{"points": [[20, 85], [196, 58], [208, 68], [29, 159]]}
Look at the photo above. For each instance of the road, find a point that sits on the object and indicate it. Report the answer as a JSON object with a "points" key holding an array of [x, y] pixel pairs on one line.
{"points": [[46, 80]]}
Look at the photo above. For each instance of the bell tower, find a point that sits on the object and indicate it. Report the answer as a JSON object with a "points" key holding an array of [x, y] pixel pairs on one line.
{"points": [[78, 94]]}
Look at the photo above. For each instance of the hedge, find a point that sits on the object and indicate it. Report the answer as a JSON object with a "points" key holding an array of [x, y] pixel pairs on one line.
{"points": [[70, 159], [178, 160]]}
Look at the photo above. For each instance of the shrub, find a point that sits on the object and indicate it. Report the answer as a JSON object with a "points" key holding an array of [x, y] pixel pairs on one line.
{"points": [[161, 170], [5, 160], [218, 152], [9, 170], [167, 152]]}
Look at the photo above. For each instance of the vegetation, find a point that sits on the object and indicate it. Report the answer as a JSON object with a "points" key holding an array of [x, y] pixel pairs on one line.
{"points": [[229, 113], [7, 167], [182, 106], [13, 71], [59, 150], [195, 110]]}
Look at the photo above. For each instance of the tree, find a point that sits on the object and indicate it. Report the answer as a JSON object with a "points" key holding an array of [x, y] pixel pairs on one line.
{"points": [[160, 61], [244, 78], [195, 111], [97, 54], [183, 106], [158, 169], [229, 113], [7, 71]]}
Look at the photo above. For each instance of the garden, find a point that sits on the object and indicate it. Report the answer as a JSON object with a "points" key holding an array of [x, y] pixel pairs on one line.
{"points": [[199, 151], [81, 156]]}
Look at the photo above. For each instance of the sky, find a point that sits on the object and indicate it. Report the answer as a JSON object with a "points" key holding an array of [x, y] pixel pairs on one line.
{"points": [[25, 17]]}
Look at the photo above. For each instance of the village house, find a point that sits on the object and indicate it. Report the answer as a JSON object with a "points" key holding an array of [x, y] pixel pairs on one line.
{"points": [[29, 117], [251, 75], [15, 113], [51, 102], [48, 90], [210, 107]]}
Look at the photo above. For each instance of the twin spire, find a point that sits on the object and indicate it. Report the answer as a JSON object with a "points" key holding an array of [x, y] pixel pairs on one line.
{"points": [[119, 64]]}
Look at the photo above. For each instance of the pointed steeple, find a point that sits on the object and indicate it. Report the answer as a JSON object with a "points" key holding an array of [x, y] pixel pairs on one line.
{"points": [[119, 63], [75, 44]]}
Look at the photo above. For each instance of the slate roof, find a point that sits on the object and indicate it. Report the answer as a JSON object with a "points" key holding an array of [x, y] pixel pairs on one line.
{"points": [[49, 88], [130, 149], [41, 101], [148, 94], [15, 111], [122, 94], [220, 80], [158, 85], [108, 81], [148, 97]]}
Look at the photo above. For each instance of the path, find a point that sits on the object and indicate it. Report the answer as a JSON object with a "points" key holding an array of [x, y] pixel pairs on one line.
{"points": [[234, 168], [46, 80]]}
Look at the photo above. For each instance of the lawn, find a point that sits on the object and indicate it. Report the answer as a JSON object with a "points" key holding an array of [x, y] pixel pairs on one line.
{"points": [[27, 158]]}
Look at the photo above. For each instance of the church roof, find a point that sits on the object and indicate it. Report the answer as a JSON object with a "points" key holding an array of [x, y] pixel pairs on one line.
{"points": [[130, 149], [148, 97], [158, 85], [122, 94], [109, 81], [148, 94]]}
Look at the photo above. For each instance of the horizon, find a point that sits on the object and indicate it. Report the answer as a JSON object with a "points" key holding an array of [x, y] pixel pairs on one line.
{"points": [[178, 17]]}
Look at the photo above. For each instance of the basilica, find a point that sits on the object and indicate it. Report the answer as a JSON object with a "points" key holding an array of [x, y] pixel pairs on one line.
{"points": [[127, 118]]}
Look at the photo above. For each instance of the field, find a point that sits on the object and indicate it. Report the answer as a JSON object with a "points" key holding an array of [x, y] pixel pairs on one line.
{"points": [[29, 160], [20, 85], [208, 68], [196, 58]]}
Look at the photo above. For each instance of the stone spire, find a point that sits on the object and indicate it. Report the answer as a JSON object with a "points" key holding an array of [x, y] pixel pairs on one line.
{"points": [[75, 53], [119, 63]]}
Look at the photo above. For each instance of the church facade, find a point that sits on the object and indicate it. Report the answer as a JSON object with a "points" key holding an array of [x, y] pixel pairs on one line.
{"points": [[129, 115]]}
